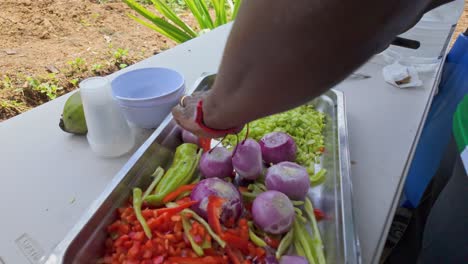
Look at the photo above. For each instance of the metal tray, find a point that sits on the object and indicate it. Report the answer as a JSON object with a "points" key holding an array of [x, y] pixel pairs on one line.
{"points": [[85, 242]]}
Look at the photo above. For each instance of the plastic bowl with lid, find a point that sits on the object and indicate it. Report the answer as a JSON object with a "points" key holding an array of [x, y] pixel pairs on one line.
{"points": [[147, 95]]}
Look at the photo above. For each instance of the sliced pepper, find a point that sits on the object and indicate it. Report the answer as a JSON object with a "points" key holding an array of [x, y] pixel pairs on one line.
{"points": [[319, 215], [236, 242], [157, 174], [181, 172], [318, 177], [272, 242], [255, 239], [173, 195], [202, 221], [186, 225], [204, 260], [137, 201], [214, 208], [205, 143], [317, 240], [234, 255], [175, 210], [285, 243]]}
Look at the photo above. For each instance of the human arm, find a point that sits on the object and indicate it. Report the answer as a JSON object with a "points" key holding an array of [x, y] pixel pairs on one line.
{"points": [[281, 54]]}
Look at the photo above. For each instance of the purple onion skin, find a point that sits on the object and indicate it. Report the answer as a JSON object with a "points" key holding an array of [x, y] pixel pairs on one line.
{"points": [[247, 159], [189, 137], [273, 212], [293, 260], [216, 163], [233, 206], [277, 147], [289, 178], [271, 260]]}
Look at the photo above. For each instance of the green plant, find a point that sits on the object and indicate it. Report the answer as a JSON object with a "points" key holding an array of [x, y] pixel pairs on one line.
{"points": [[171, 26], [78, 65], [96, 68], [120, 54], [74, 82], [12, 104], [50, 89], [6, 82]]}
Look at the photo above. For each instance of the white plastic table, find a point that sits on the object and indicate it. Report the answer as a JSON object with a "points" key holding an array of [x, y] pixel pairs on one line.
{"points": [[48, 178]]}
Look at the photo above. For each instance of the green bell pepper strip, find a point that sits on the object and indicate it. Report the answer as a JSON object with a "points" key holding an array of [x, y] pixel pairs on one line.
{"points": [[297, 203], [137, 201], [298, 247], [202, 221], [180, 173], [316, 240], [206, 243], [157, 174], [301, 237], [300, 217], [285, 243], [318, 177], [256, 240], [186, 225]]}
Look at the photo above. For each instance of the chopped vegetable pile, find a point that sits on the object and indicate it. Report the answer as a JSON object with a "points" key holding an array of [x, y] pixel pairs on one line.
{"points": [[247, 205], [304, 124]]}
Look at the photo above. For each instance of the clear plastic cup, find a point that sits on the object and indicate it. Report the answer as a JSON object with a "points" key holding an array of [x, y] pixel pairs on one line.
{"points": [[109, 134]]}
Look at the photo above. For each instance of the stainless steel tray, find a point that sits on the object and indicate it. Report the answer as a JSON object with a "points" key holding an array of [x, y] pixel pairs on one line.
{"points": [[85, 242]]}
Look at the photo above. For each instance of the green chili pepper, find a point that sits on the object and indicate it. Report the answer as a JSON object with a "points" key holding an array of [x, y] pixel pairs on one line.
{"points": [[157, 174], [299, 234], [206, 226], [297, 203], [298, 247], [318, 177], [137, 201], [256, 240], [316, 240], [185, 224], [285, 243], [181, 172], [206, 243]]}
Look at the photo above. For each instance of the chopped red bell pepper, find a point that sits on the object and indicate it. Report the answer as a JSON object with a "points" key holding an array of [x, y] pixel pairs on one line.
{"points": [[272, 242], [236, 242], [173, 195], [175, 210], [234, 255], [205, 143], [197, 260], [319, 214], [214, 208]]}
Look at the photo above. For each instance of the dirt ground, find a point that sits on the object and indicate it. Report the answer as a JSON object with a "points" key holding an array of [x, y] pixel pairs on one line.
{"points": [[41, 34]]}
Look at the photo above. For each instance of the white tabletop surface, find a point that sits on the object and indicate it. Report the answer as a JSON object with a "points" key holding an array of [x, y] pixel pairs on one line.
{"points": [[49, 177]]}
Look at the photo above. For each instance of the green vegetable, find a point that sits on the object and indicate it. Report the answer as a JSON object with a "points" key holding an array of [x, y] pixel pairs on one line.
{"points": [[180, 173], [318, 177], [186, 225], [137, 201], [300, 235], [73, 119], [202, 221], [304, 123], [206, 243], [256, 240], [285, 243], [297, 203], [157, 174], [316, 240]]}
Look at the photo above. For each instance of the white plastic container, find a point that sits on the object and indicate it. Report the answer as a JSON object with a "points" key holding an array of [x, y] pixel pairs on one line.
{"points": [[147, 95], [109, 134]]}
